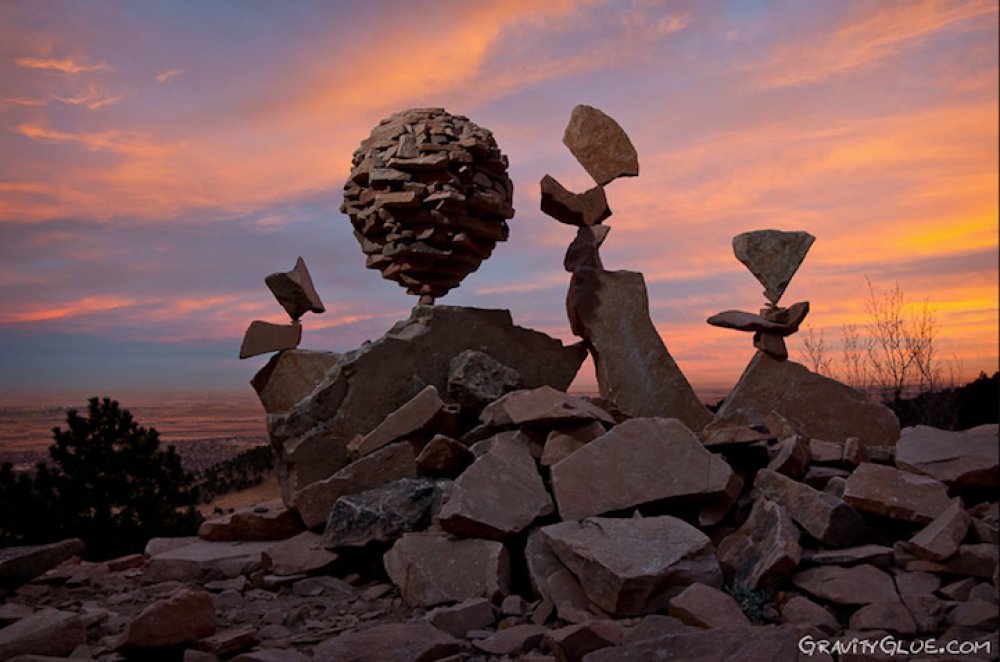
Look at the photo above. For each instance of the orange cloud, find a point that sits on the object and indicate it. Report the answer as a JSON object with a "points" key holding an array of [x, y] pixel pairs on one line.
{"points": [[163, 77], [65, 65], [85, 306]]}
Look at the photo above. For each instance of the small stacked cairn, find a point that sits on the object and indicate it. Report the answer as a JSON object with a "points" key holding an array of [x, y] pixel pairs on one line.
{"points": [[295, 292], [773, 257], [429, 197]]}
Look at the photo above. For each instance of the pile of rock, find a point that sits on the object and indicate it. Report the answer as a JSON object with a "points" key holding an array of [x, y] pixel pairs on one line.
{"points": [[428, 196], [555, 527]]}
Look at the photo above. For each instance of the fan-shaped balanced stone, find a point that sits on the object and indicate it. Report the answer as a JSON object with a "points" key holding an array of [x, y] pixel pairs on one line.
{"points": [[294, 290], [773, 257], [263, 337], [587, 208], [600, 145]]}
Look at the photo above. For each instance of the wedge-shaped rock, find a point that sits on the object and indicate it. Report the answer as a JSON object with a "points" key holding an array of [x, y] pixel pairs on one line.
{"points": [[369, 383], [773, 257], [802, 611], [500, 495], [824, 516], [639, 461], [443, 457], [294, 290], [587, 208], [46, 632], [456, 620], [390, 642], [564, 441], [185, 616], [887, 614], [600, 145], [707, 607], [301, 554], [792, 458], [201, 560], [584, 251], [630, 567], [417, 415], [941, 538], [857, 585], [610, 310], [266, 521], [715, 645], [764, 549], [382, 514], [433, 568], [512, 640], [541, 406], [821, 408], [572, 642], [882, 490], [290, 376], [24, 563], [957, 459], [263, 337], [476, 379], [385, 465]]}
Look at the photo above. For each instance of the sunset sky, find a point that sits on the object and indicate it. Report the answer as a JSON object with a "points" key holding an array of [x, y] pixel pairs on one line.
{"points": [[158, 159]]}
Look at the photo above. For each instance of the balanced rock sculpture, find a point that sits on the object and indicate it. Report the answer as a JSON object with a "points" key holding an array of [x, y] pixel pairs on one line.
{"points": [[295, 292], [429, 197]]}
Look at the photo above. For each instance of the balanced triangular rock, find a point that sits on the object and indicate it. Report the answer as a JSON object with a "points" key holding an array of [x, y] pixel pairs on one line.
{"points": [[600, 145], [587, 208], [294, 290], [773, 257]]}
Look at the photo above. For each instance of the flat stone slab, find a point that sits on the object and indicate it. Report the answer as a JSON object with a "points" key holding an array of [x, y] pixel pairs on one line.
{"points": [[957, 459], [265, 521], [707, 607], [204, 561], [390, 642], [856, 585], [264, 337], [882, 490], [46, 632], [416, 415], [715, 645], [824, 516], [543, 405], [25, 562]]}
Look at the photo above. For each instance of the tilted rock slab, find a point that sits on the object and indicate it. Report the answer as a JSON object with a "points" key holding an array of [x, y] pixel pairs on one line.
{"points": [[290, 376], [958, 459], [639, 461], [263, 337], [23, 563], [825, 517], [587, 208], [882, 490], [368, 383], [416, 414], [543, 405], [185, 616], [856, 585], [819, 407], [390, 642], [610, 310], [630, 567], [764, 549], [46, 632]]}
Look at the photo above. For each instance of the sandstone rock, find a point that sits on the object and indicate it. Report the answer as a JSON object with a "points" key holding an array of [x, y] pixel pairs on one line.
{"points": [[205, 561], [600, 145], [443, 457], [978, 560], [855, 452], [290, 376], [587, 208], [819, 407], [744, 321], [295, 291], [927, 611], [456, 620], [390, 642], [263, 337], [715, 645], [891, 615], [630, 567], [266, 521], [625, 468], [707, 607], [229, 642], [393, 462], [882, 490], [764, 549], [543, 405], [417, 415], [542, 562], [772, 257], [513, 640], [12, 611], [433, 568], [958, 591], [367, 384], [476, 379], [156, 546], [610, 310], [826, 452], [381, 514], [23, 563], [958, 459], [825, 517], [820, 477], [802, 611], [571, 643], [713, 436], [941, 538], [571, 603], [792, 458], [499, 495], [856, 585], [873, 554], [301, 554], [46, 632], [185, 616], [717, 507], [975, 614], [563, 441], [584, 251]]}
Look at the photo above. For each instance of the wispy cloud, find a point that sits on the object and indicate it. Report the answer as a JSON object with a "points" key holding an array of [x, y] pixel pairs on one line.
{"points": [[163, 77], [65, 65]]}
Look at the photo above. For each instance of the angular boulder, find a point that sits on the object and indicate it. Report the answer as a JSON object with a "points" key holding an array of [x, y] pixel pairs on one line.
{"points": [[443, 457], [23, 563], [290, 376], [824, 516], [265, 521], [185, 616], [541, 406], [416, 415], [456, 620], [600, 145], [563, 441], [707, 607], [295, 291], [857, 585], [581, 209], [640, 461], [957, 459], [764, 549], [301, 554], [202, 560], [476, 379], [389, 642], [46, 632], [882, 490], [382, 514], [941, 538], [773, 257], [263, 337]]}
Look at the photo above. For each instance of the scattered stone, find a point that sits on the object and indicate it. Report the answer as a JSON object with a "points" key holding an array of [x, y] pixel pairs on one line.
{"points": [[629, 567], [433, 568], [957, 459], [20, 564], [882, 490], [301, 554], [736, 435], [941, 538], [821, 408], [571, 603], [825, 517], [975, 614], [856, 585], [290, 376], [391, 642], [457, 620], [229, 642], [854, 452], [393, 462], [764, 549], [564, 441], [443, 457], [204, 561], [500, 495], [891, 615], [266, 521], [541, 406], [45, 632], [825, 452], [792, 458], [802, 611], [295, 291], [820, 477], [11, 611], [476, 379], [707, 607], [513, 605], [624, 468], [773, 257], [185, 616], [417, 415], [581, 209], [600, 145], [654, 626], [513, 640], [715, 645], [978, 560], [571, 643], [381, 514], [927, 611], [264, 337], [958, 591], [873, 554], [610, 310]]}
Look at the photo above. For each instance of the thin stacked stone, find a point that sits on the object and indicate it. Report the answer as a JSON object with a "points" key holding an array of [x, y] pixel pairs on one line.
{"points": [[429, 197], [296, 293]]}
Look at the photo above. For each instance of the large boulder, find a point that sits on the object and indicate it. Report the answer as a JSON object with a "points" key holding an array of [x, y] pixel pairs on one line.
{"points": [[185, 616], [265, 521], [46, 632], [764, 549], [201, 560], [289, 376], [958, 459], [819, 407], [826, 517], [882, 490], [368, 383], [384, 513]]}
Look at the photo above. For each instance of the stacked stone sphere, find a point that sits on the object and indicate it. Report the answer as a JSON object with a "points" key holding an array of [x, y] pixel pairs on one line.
{"points": [[429, 197]]}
